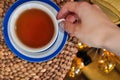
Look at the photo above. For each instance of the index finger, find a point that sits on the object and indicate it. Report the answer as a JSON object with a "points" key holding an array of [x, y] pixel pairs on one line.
{"points": [[67, 9]]}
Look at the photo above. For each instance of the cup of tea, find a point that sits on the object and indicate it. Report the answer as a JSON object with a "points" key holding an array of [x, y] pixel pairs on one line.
{"points": [[33, 27]]}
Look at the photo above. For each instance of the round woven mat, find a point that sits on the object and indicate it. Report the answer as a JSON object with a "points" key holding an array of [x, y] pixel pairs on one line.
{"points": [[14, 68]]}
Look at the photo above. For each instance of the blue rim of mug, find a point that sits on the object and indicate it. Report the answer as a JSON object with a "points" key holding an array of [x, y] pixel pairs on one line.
{"points": [[9, 44]]}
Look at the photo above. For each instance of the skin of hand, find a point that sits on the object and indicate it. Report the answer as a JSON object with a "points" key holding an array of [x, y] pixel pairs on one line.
{"points": [[91, 25]]}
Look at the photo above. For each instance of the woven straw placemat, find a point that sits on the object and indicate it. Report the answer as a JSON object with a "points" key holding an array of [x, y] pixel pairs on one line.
{"points": [[14, 68]]}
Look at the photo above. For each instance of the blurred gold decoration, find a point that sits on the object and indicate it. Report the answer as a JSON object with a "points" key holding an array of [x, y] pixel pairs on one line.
{"points": [[81, 45], [106, 62], [81, 60], [76, 67]]}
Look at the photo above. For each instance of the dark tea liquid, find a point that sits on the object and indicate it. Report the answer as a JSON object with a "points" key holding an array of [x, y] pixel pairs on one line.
{"points": [[34, 28]]}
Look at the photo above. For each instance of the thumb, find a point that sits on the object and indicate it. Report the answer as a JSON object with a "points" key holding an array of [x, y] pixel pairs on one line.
{"points": [[71, 28]]}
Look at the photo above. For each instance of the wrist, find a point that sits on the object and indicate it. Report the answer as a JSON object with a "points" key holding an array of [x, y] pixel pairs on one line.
{"points": [[111, 41]]}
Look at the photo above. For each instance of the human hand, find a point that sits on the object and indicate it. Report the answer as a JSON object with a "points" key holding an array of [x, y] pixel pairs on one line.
{"points": [[93, 27]]}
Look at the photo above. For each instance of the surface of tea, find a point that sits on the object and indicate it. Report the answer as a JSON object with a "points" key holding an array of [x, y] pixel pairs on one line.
{"points": [[34, 28]]}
